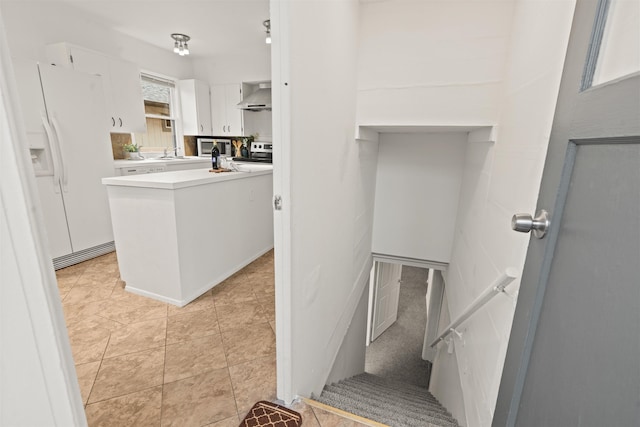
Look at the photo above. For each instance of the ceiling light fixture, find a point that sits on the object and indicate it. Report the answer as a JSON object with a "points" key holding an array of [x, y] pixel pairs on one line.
{"points": [[267, 24], [180, 46]]}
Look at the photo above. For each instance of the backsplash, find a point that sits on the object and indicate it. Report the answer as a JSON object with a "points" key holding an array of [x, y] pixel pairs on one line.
{"points": [[117, 141], [190, 145]]}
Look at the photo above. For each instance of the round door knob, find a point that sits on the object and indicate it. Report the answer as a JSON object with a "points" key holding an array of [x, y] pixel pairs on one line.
{"points": [[524, 223]]}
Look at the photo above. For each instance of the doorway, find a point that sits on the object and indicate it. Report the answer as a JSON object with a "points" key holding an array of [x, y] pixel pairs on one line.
{"points": [[398, 320]]}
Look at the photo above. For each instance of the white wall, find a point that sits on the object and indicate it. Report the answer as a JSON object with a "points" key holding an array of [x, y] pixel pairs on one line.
{"points": [[501, 179], [350, 359], [417, 191], [444, 375], [332, 190], [245, 66], [31, 25], [432, 62]]}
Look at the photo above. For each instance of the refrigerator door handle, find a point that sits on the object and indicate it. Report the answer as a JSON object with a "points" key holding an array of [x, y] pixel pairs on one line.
{"points": [[55, 155], [63, 168]]}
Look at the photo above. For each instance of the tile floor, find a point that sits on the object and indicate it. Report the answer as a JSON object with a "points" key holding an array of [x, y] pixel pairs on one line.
{"points": [[141, 362]]}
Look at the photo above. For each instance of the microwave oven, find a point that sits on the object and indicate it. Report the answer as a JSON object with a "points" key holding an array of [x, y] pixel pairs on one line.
{"points": [[205, 145]]}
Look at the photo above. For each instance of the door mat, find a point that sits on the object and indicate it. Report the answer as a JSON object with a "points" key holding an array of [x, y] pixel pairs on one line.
{"points": [[269, 414]]}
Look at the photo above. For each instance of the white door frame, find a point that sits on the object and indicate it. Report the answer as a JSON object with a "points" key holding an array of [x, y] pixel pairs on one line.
{"points": [[280, 65]]}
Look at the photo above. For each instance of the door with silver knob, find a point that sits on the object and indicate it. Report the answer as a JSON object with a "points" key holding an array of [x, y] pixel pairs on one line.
{"points": [[524, 223], [572, 354]]}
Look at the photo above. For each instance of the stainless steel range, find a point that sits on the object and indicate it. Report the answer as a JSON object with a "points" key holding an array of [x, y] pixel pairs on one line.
{"points": [[261, 151]]}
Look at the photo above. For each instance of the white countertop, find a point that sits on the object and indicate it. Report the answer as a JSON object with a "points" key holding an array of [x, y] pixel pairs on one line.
{"points": [[118, 164], [186, 178]]}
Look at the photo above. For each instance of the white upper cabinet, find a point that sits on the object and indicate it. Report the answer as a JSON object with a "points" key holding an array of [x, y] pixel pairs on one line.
{"points": [[226, 116], [196, 108], [120, 80]]}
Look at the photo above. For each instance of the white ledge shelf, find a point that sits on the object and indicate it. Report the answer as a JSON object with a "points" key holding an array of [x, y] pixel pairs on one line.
{"points": [[477, 133]]}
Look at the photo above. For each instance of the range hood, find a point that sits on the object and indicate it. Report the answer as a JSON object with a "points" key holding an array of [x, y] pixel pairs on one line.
{"points": [[258, 100]]}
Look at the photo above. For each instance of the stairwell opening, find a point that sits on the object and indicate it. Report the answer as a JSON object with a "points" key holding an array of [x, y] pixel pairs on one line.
{"points": [[399, 352]]}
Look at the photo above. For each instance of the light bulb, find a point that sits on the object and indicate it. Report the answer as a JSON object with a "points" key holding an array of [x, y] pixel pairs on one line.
{"points": [[186, 49], [268, 39], [176, 48]]}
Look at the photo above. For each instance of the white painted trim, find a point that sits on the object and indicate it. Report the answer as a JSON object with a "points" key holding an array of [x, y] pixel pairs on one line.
{"points": [[485, 134], [412, 262], [372, 287], [281, 101]]}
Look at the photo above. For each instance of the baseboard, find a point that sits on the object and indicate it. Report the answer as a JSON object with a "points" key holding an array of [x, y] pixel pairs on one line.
{"points": [[83, 255]]}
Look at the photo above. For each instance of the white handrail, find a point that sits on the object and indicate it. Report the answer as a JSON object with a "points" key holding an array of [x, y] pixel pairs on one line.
{"points": [[496, 287]]}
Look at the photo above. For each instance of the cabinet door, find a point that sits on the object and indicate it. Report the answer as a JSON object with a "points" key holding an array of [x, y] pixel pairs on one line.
{"points": [[97, 64], [218, 110], [203, 106], [233, 94], [120, 81], [126, 93]]}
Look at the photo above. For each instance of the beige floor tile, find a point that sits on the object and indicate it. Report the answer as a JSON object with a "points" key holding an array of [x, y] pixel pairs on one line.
{"points": [[127, 374], [107, 325], [230, 294], [235, 316], [94, 321], [86, 376], [88, 344], [136, 337], [269, 305], [193, 357], [254, 381], [192, 325], [306, 412], [132, 310], [82, 293], [199, 400], [72, 270], [66, 283], [203, 302], [245, 344], [227, 422], [139, 409], [78, 312]]}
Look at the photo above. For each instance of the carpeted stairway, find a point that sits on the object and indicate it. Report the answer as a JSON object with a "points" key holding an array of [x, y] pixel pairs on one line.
{"points": [[390, 402]]}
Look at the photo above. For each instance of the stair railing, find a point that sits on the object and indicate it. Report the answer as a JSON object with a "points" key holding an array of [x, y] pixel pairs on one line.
{"points": [[497, 287]]}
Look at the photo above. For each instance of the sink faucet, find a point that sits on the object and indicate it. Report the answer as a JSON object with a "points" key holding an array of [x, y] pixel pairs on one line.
{"points": [[175, 152]]}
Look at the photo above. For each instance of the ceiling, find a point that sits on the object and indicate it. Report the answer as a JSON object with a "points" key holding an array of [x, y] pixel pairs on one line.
{"points": [[216, 27]]}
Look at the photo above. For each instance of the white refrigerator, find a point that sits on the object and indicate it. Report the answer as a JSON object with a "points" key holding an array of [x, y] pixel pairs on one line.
{"points": [[70, 148]]}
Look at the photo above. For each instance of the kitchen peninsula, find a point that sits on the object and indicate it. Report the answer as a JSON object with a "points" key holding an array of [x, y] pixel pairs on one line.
{"points": [[178, 234]]}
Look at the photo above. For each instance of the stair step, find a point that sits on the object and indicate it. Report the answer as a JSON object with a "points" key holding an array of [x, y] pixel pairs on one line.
{"points": [[393, 417], [425, 395], [381, 407], [410, 402], [387, 401]]}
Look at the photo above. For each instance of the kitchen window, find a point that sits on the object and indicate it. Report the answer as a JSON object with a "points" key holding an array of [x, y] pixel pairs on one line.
{"points": [[159, 108]]}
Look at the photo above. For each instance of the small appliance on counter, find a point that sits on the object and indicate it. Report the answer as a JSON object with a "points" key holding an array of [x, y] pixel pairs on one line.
{"points": [[205, 145]]}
